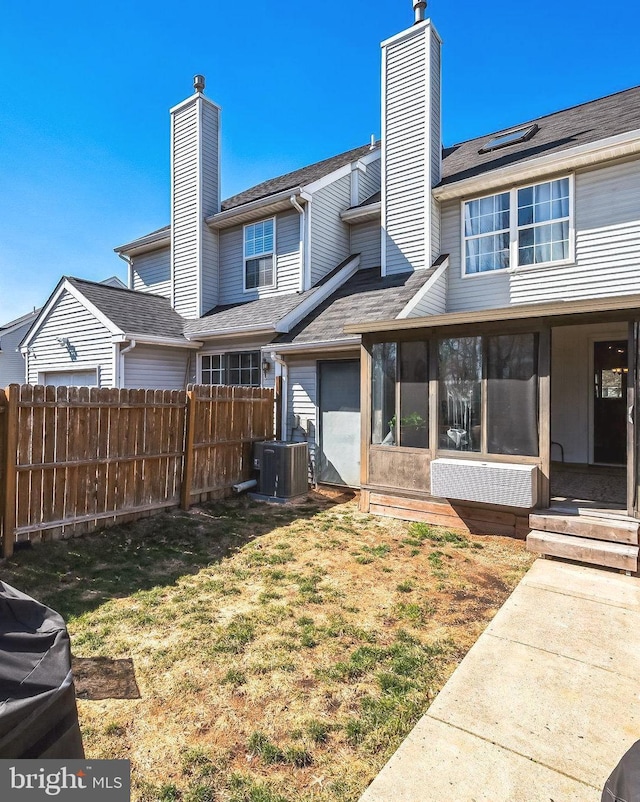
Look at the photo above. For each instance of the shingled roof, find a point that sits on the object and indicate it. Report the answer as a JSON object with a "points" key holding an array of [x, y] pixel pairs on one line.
{"points": [[579, 125], [365, 296], [131, 311], [297, 178]]}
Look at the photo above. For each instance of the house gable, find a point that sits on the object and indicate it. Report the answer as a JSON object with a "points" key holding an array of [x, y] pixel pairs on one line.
{"points": [[72, 337]]}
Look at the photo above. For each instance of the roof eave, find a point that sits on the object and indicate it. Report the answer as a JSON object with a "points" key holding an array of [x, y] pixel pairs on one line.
{"points": [[231, 216], [150, 242], [592, 153], [150, 339], [362, 214], [319, 345], [550, 309]]}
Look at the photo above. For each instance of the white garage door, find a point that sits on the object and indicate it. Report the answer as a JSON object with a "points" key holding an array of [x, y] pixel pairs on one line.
{"points": [[77, 378]]}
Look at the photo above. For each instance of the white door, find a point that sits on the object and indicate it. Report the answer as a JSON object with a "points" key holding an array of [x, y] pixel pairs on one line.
{"points": [[339, 407]]}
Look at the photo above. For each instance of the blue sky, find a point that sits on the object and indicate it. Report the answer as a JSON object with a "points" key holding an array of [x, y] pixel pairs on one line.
{"points": [[86, 88]]}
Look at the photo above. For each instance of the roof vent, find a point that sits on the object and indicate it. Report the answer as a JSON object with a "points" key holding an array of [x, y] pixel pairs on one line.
{"points": [[419, 7], [198, 83]]}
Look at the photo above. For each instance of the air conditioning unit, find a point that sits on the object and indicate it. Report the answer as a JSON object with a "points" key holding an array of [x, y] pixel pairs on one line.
{"points": [[503, 483], [283, 468]]}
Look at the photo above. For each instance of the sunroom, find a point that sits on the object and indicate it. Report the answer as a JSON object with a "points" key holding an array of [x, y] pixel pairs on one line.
{"points": [[516, 421]]}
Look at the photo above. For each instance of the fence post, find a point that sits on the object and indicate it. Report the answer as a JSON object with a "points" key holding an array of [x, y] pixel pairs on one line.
{"points": [[187, 472], [10, 472]]}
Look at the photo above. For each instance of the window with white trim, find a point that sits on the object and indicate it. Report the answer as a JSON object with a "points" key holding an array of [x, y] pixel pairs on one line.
{"points": [[487, 233], [237, 368], [543, 223], [258, 254], [523, 227]]}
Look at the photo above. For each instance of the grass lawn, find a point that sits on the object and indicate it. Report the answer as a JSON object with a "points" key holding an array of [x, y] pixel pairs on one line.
{"points": [[281, 653]]}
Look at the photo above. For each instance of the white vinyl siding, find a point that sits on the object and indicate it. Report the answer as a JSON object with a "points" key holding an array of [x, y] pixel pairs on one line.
{"points": [[210, 203], [411, 148], [369, 182], [90, 343], [607, 246], [194, 196], [12, 364], [329, 235], [434, 301], [152, 272], [301, 402], [184, 222], [365, 240], [154, 368], [287, 261]]}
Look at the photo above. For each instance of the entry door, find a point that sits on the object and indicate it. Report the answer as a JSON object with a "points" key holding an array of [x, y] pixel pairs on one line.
{"points": [[610, 366], [339, 407]]}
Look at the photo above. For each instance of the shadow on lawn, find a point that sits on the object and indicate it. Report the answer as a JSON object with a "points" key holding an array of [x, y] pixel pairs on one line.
{"points": [[78, 575]]}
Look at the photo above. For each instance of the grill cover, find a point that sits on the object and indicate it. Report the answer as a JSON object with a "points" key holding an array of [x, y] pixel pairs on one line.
{"points": [[38, 714]]}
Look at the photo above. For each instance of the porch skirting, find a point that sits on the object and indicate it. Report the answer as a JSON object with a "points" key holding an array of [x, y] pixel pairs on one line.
{"points": [[476, 519]]}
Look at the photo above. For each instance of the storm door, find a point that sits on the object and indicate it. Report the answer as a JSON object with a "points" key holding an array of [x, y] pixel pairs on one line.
{"points": [[339, 408]]}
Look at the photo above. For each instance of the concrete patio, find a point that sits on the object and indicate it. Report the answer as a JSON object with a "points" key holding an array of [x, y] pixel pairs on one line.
{"points": [[542, 707]]}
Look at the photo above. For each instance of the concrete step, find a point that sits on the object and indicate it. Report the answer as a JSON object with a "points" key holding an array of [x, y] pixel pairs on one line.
{"points": [[611, 529], [584, 550]]}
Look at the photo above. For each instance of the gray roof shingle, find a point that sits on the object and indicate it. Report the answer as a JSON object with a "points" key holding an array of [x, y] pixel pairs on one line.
{"points": [[297, 178], [578, 125], [365, 296], [132, 311], [250, 314]]}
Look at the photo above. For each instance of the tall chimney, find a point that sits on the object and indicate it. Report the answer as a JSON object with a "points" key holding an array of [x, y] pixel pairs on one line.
{"points": [[195, 195], [419, 7], [411, 146]]}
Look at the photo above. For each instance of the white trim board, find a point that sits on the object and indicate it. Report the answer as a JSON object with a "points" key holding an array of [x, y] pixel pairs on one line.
{"points": [[420, 294]]}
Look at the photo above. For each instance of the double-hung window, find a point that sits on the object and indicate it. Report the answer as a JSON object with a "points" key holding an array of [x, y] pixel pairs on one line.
{"points": [[520, 228], [487, 233], [543, 223], [238, 368], [258, 254]]}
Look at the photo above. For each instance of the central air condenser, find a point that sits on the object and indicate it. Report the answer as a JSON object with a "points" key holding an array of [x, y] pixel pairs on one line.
{"points": [[283, 468]]}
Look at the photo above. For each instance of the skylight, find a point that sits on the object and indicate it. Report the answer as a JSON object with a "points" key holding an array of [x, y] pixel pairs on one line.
{"points": [[521, 134]]}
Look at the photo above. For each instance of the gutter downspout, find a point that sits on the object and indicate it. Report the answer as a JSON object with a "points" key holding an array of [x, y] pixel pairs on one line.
{"points": [[284, 372], [303, 227], [124, 351], [130, 268]]}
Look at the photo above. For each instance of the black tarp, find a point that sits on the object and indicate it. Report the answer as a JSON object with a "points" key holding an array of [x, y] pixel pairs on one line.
{"points": [[38, 714], [624, 783]]}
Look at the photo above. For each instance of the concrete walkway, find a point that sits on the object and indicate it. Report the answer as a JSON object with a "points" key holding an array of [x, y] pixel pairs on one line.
{"points": [[542, 707]]}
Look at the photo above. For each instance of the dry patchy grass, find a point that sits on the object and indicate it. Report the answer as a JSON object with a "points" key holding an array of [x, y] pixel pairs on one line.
{"points": [[281, 653]]}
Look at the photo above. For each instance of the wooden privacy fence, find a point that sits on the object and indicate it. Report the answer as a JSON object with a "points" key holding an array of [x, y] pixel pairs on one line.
{"points": [[77, 458]]}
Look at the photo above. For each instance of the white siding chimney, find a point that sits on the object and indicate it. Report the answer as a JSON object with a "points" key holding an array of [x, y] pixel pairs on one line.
{"points": [[411, 148], [195, 194]]}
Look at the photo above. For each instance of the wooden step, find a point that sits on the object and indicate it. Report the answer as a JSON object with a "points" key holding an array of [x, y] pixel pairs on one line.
{"points": [[584, 550], [612, 529]]}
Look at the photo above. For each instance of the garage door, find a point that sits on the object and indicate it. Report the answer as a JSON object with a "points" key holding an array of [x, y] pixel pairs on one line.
{"points": [[339, 406], [64, 378]]}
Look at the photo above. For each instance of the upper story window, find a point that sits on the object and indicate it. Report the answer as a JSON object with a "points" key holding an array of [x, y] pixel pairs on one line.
{"points": [[523, 227], [238, 368], [258, 254], [543, 223]]}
